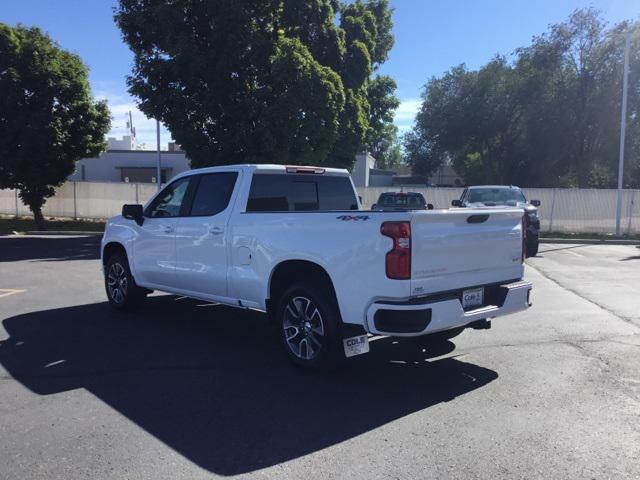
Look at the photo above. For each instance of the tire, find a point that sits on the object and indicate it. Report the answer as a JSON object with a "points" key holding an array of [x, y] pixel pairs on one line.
{"points": [[308, 321], [532, 248], [122, 292]]}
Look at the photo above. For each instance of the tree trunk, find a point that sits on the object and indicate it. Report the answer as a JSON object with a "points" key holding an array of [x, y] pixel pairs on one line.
{"points": [[39, 219]]}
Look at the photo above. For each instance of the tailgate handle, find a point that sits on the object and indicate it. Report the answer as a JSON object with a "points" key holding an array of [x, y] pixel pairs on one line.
{"points": [[477, 218]]}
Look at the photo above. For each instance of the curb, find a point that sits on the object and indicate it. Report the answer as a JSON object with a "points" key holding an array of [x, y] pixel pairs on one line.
{"points": [[62, 232], [590, 241]]}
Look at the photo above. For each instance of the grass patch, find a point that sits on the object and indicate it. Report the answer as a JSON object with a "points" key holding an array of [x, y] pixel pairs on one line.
{"points": [[589, 236], [26, 224]]}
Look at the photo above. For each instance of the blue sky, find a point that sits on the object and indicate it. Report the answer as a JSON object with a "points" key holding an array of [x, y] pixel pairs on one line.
{"points": [[431, 37]]}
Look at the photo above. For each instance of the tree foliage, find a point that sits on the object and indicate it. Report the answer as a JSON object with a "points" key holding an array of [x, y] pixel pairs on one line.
{"points": [[551, 117], [258, 81], [48, 118], [382, 136]]}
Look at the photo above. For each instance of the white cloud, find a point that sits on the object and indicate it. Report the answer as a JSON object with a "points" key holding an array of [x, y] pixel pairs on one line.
{"points": [[406, 113], [120, 106]]}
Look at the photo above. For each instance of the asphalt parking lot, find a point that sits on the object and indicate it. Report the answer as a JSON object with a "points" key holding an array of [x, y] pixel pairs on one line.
{"points": [[183, 389]]}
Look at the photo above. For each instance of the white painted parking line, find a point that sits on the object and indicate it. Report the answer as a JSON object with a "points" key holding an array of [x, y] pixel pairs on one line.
{"points": [[5, 292]]}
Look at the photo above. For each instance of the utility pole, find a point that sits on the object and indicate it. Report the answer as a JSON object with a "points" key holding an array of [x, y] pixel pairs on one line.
{"points": [[623, 129], [158, 167], [132, 131]]}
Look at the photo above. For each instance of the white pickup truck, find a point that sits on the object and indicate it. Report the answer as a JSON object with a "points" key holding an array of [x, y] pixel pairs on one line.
{"points": [[295, 243]]}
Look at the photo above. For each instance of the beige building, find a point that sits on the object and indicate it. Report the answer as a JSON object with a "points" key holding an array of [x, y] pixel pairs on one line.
{"points": [[365, 174], [123, 163]]}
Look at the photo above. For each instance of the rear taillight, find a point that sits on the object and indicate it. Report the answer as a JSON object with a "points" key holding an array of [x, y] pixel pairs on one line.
{"points": [[398, 261], [525, 226]]}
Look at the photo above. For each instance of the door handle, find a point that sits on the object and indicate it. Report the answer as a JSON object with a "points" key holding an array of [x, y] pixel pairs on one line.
{"points": [[168, 229], [216, 230]]}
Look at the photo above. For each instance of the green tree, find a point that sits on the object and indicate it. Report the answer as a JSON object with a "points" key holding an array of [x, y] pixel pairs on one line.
{"points": [[387, 149], [421, 153], [549, 118], [573, 77], [258, 81], [382, 136], [470, 119], [371, 103], [48, 118]]}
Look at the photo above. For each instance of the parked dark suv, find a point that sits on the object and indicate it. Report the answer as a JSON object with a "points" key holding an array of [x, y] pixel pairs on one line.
{"points": [[399, 201], [500, 195]]}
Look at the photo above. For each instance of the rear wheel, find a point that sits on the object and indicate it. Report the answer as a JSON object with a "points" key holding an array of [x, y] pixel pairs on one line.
{"points": [[308, 320], [122, 291]]}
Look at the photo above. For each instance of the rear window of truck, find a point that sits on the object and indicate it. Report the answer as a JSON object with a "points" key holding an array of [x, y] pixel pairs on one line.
{"points": [[402, 200], [300, 193]]}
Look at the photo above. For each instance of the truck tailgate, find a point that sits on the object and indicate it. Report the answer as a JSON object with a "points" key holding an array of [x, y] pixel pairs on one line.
{"points": [[457, 248]]}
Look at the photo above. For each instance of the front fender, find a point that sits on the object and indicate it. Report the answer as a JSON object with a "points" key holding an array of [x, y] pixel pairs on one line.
{"points": [[123, 232]]}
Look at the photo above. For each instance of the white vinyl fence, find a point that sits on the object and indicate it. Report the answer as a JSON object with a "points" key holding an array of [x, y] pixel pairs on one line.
{"points": [[571, 210], [562, 209], [95, 200]]}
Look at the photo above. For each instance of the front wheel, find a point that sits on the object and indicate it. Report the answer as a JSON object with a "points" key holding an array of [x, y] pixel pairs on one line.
{"points": [[308, 320], [122, 291]]}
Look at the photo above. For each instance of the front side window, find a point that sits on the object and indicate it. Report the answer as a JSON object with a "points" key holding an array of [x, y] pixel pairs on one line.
{"points": [[168, 203], [213, 193], [300, 193]]}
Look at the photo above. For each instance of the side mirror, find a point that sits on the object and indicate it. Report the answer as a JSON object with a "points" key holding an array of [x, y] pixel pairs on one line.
{"points": [[133, 212], [456, 203], [360, 199], [429, 206], [535, 203], [373, 207]]}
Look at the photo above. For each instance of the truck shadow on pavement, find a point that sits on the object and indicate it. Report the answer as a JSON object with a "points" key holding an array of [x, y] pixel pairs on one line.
{"points": [[211, 382], [54, 249]]}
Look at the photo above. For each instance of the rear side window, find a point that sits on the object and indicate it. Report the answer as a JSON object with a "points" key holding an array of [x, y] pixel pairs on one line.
{"points": [[213, 193], [300, 193]]}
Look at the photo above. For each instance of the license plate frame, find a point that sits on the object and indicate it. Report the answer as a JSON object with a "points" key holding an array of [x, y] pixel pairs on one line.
{"points": [[472, 297], [357, 345]]}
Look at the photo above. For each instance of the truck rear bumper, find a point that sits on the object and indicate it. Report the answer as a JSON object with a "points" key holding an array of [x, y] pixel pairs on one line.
{"points": [[440, 312]]}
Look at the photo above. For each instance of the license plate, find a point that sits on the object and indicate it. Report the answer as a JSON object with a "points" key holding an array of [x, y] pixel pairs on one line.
{"points": [[355, 345], [472, 297]]}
